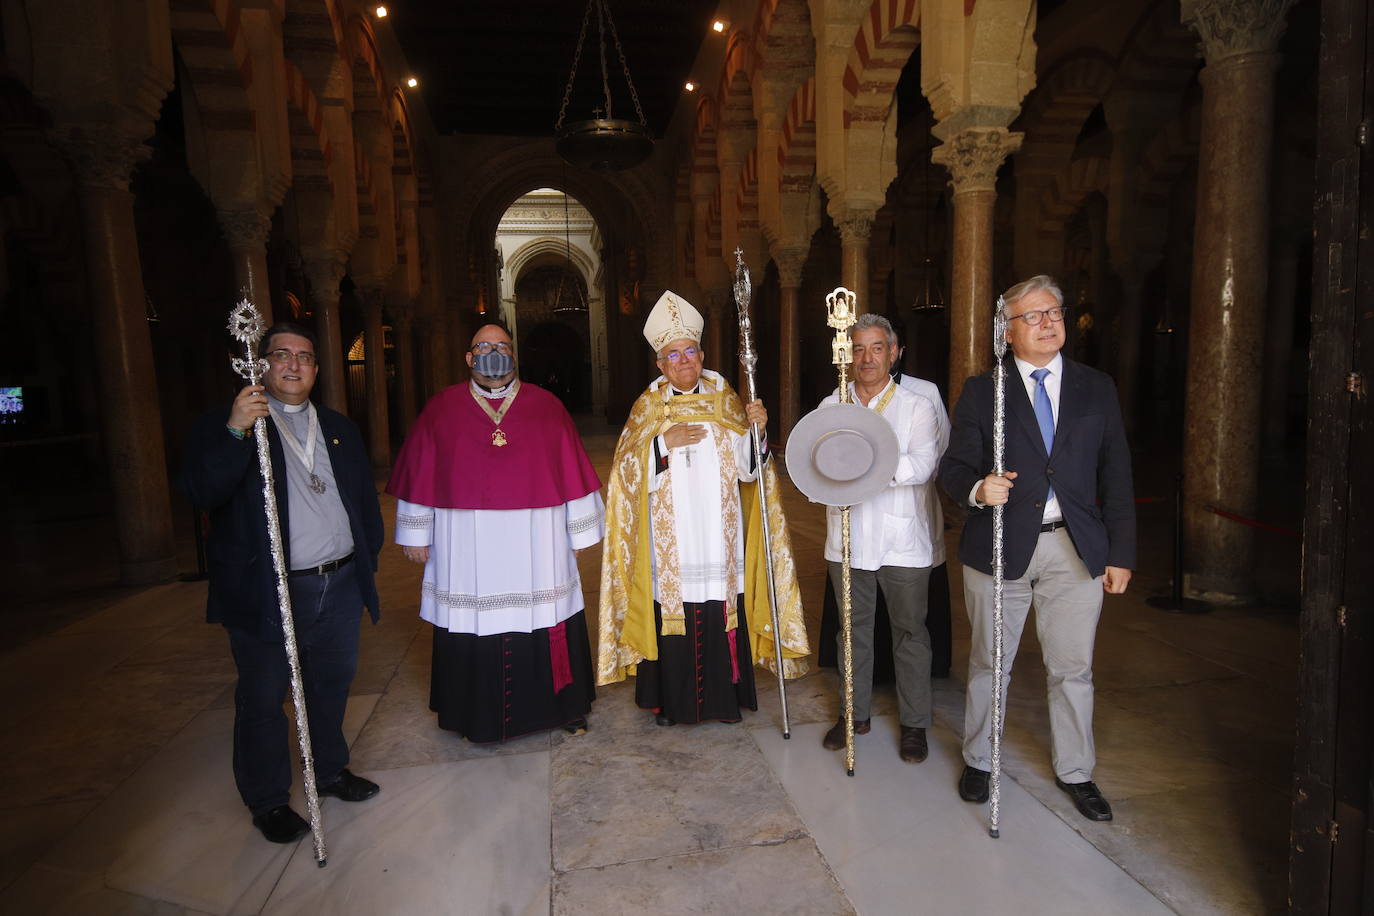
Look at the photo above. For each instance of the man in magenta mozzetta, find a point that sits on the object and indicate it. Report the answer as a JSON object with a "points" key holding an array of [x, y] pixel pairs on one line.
{"points": [[495, 495]]}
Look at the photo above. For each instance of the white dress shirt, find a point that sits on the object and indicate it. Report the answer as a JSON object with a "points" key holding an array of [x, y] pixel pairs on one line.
{"points": [[894, 527]]}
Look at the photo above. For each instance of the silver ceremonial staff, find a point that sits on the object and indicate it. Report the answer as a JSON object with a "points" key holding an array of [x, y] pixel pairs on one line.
{"points": [[999, 446], [749, 359], [840, 306], [246, 326]]}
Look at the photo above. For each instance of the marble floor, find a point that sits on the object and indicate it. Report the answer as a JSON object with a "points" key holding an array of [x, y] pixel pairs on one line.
{"points": [[120, 798]]}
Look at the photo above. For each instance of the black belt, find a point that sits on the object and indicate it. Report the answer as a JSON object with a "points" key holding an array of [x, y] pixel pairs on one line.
{"points": [[1044, 529], [322, 568]]}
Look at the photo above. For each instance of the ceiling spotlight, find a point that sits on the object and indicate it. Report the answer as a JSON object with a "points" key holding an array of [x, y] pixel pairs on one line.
{"points": [[690, 86], [380, 12], [412, 82], [718, 26]]}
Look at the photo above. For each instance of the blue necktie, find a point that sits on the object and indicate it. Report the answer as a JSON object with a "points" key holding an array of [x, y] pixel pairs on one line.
{"points": [[1044, 414]]}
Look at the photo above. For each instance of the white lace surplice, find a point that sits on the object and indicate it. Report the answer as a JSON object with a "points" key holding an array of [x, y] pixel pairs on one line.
{"points": [[501, 571]]}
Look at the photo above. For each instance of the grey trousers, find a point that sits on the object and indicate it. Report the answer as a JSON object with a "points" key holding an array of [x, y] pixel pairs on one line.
{"points": [[906, 590], [1068, 603]]}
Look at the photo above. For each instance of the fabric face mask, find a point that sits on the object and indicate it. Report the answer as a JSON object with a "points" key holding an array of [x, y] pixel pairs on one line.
{"points": [[494, 364]]}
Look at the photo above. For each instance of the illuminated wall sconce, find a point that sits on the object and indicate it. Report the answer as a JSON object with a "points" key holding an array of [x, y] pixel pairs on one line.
{"points": [[380, 12], [412, 82], [690, 86]]}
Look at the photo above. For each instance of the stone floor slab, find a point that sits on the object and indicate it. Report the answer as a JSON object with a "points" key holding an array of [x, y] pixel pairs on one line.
{"points": [[630, 790], [176, 831], [789, 877], [469, 837], [900, 840]]}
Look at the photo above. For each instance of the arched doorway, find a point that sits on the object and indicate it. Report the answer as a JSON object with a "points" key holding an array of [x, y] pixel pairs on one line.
{"points": [[552, 279]]}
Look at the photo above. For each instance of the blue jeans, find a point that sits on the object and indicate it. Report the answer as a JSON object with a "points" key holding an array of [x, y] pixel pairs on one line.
{"points": [[326, 610]]}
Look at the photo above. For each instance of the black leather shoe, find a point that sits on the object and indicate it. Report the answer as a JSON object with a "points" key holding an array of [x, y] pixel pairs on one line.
{"points": [[913, 748], [576, 726], [834, 739], [281, 824], [665, 721], [973, 785], [350, 788], [1087, 799]]}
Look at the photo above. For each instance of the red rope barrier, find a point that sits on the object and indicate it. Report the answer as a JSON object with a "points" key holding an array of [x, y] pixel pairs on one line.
{"points": [[1249, 521]]}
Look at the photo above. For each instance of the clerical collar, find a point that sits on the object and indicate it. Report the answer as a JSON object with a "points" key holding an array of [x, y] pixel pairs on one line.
{"points": [[486, 392], [696, 389], [288, 408]]}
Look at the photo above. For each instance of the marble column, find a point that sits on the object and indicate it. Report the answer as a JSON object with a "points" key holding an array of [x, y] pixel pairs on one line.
{"points": [[246, 230], [374, 367], [973, 157], [1229, 289], [324, 273], [403, 336], [855, 228], [789, 261], [130, 414]]}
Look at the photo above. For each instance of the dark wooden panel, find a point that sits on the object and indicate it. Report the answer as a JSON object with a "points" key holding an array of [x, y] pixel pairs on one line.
{"points": [[1331, 780]]}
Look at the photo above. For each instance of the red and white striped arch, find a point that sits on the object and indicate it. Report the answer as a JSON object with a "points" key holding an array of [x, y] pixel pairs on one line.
{"points": [[208, 35], [887, 35], [797, 145]]}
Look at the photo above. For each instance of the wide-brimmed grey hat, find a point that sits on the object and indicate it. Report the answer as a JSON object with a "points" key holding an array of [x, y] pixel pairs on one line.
{"points": [[842, 454]]}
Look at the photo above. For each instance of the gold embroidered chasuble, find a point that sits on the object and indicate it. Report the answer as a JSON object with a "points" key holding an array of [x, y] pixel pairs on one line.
{"points": [[639, 533]]}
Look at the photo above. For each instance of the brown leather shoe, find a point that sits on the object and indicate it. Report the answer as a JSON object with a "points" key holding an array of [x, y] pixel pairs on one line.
{"points": [[834, 739], [913, 747]]}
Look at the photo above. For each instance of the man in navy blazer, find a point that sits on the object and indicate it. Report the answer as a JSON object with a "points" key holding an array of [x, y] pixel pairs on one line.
{"points": [[331, 527], [1069, 531]]}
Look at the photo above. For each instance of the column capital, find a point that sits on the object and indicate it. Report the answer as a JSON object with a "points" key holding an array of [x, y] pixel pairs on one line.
{"points": [[244, 227], [855, 227], [973, 156], [101, 157], [1232, 27], [324, 270], [789, 261]]}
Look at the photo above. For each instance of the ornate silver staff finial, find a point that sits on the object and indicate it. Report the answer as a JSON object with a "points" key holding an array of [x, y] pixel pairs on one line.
{"points": [[247, 327], [744, 292]]}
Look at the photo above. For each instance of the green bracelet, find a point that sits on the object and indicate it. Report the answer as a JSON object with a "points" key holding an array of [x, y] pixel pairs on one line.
{"points": [[236, 432]]}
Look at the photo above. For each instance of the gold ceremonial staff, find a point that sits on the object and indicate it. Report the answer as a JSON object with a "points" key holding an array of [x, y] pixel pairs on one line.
{"points": [[840, 304]]}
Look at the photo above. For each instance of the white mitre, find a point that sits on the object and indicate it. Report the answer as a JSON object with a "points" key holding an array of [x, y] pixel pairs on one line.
{"points": [[672, 318]]}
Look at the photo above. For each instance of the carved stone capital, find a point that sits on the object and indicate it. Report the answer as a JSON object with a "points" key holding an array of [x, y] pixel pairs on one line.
{"points": [[855, 228], [789, 261], [325, 271], [245, 227], [101, 159], [1232, 27], [973, 156]]}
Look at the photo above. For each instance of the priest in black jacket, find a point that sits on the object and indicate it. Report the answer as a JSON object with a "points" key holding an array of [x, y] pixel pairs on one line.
{"points": [[1069, 531], [331, 535]]}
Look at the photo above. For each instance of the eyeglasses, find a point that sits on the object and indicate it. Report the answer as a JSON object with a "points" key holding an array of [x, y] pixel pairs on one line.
{"points": [[677, 356], [1034, 318], [282, 357], [487, 346]]}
